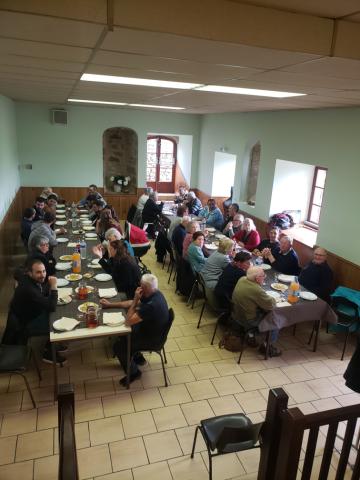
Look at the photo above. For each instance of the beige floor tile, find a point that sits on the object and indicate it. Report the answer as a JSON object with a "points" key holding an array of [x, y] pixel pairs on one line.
{"points": [[184, 357], [124, 475], [250, 459], [206, 338], [251, 401], [86, 410], [224, 405], [94, 461], [162, 446], [168, 418], [251, 381], [300, 392], [20, 422], [252, 365], [185, 437], [43, 397], [201, 390], [339, 382], [196, 411], [81, 435], [10, 402], [297, 373], [47, 417], [323, 388], [175, 394], [155, 471], [7, 450], [227, 385], [106, 430], [203, 371], [34, 445], [99, 387], [110, 368], [187, 343], [79, 373], [171, 345], [21, 470], [225, 466], [306, 407], [147, 399], [325, 404], [274, 377], [46, 468], [337, 366], [140, 423], [207, 354], [180, 374], [94, 355], [4, 383], [292, 357], [129, 453], [186, 468], [152, 378], [227, 367], [350, 399], [175, 332], [118, 404], [318, 369]]}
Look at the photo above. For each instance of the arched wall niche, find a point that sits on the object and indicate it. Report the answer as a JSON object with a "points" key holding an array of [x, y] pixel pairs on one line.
{"points": [[120, 160]]}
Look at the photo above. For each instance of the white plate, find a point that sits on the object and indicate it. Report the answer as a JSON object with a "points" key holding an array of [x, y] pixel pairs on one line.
{"points": [[83, 210], [211, 246], [65, 324], [265, 266], [76, 232], [60, 216], [86, 222], [73, 277], [95, 261], [63, 266], [61, 222], [286, 278], [220, 235], [88, 228], [86, 217], [66, 258], [210, 229], [64, 300], [94, 265], [275, 295], [62, 240], [103, 277], [62, 282], [279, 286], [91, 235], [84, 306], [308, 296], [58, 230]]}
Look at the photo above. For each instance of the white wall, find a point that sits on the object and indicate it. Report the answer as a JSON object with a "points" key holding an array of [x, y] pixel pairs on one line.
{"points": [[223, 174], [9, 164], [184, 155], [291, 187]]}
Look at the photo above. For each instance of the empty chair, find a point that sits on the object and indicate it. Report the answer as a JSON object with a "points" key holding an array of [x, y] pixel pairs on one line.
{"points": [[227, 434], [348, 318], [209, 300]]}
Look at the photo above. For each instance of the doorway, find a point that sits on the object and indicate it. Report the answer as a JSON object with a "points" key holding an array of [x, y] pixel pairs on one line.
{"points": [[161, 154]]}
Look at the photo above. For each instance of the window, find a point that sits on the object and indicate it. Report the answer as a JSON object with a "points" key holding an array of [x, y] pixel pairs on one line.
{"points": [[317, 194], [253, 174], [160, 163]]}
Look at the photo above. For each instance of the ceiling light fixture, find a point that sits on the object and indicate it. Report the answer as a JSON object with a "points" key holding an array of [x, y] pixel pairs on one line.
{"points": [[78, 100], [248, 91], [155, 106], [145, 82]]}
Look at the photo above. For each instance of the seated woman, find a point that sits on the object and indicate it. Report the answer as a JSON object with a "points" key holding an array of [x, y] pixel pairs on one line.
{"points": [[195, 255], [248, 237], [114, 234], [217, 262], [41, 251], [191, 228], [212, 214], [272, 242], [121, 266], [105, 222], [234, 225]]}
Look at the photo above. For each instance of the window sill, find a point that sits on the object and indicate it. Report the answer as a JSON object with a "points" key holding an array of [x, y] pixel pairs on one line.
{"points": [[302, 234]]}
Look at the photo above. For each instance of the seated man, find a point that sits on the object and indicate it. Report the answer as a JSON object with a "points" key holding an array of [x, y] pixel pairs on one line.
{"points": [[151, 213], [285, 260], [26, 224], [193, 203], [148, 315], [181, 196], [92, 195], [181, 211], [317, 276], [230, 276], [179, 235], [251, 303], [34, 299], [39, 209], [234, 225], [232, 211], [272, 242], [212, 214], [51, 202], [42, 228]]}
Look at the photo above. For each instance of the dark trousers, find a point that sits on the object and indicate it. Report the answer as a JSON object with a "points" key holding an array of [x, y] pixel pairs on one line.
{"points": [[39, 327], [120, 350]]}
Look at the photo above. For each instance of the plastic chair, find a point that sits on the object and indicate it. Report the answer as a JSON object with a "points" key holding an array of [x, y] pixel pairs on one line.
{"points": [[348, 318], [228, 434], [14, 359], [159, 348]]}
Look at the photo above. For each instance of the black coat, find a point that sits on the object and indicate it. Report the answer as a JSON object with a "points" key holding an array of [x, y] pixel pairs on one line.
{"points": [[352, 373], [151, 211], [125, 273]]}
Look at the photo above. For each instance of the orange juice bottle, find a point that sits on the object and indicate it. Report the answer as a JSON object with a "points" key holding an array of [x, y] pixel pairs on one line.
{"points": [[294, 291], [76, 262]]}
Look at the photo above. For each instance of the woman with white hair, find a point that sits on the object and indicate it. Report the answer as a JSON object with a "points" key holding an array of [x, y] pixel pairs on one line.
{"points": [[193, 203], [217, 262], [114, 234], [248, 237], [41, 251]]}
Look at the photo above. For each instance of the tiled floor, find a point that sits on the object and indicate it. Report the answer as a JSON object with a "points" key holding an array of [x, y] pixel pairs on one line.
{"points": [[147, 432]]}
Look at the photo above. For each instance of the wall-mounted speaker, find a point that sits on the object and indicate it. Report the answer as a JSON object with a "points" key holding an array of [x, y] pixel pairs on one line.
{"points": [[59, 117]]}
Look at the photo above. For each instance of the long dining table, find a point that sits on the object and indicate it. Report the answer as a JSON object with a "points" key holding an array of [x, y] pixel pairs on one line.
{"points": [[71, 310]]}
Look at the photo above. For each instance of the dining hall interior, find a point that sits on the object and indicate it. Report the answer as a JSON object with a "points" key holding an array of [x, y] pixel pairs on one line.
{"points": [[254, 98]]}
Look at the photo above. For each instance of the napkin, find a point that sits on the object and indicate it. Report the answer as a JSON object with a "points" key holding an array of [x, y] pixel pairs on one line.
{"points": [[66, 323], [64, 292], [71, 244], [113, 318], [283, 304], [107, 292]]}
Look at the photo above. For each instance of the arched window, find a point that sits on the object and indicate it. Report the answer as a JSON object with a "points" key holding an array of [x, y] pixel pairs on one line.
{"points": [[160, 163], [253, 174]]}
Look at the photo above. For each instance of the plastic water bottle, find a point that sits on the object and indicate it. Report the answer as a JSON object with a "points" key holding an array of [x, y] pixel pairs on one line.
{"points": [[83, 249], [73, 220]]}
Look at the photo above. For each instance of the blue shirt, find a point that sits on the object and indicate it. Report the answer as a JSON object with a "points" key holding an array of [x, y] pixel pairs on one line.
{"points": [[214, 218], [195, 257]]}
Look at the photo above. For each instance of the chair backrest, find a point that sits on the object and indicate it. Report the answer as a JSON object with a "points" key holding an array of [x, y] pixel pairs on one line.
{"points": [[131, 213], [15, 331], [245, 437], [163, 337], [202, 285], [345, 309]]}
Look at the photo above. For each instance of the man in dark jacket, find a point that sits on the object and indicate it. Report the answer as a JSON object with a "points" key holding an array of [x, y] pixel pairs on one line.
{"points": [[151, 212], [285, 260], [193, 203], [230, 276], [317, 276], [26, 224]]}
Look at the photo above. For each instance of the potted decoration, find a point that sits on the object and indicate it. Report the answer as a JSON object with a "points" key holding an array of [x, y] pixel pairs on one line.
{"points": [[119, 181]]}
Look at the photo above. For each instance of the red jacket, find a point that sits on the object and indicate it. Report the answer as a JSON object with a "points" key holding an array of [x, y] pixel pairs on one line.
{"points": [[252, 240]]}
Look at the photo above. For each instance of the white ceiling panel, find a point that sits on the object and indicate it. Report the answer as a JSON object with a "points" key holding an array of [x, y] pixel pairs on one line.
{"points": [[35, 74], [68, 69], [328, 66], [48, 29]]}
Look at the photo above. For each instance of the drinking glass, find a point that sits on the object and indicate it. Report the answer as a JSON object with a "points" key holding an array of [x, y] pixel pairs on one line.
{"points": [[91, 317]]}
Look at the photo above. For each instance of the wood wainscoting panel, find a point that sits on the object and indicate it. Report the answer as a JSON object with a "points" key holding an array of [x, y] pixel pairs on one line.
{"points": [[204, 197]]}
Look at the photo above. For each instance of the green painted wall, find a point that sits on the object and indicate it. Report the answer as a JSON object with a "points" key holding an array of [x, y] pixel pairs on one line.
{"points": [[329, 138], [9, 171], [72, 155]]}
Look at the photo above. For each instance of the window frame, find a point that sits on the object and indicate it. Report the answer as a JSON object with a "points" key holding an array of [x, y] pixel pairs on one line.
{"points": [[311, 202], [158, 139]]}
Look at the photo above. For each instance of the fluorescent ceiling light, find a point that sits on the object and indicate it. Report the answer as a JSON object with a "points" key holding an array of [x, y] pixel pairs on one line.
{"points": [[155, 106], [77, 100], [248, 91], [145, 82]]}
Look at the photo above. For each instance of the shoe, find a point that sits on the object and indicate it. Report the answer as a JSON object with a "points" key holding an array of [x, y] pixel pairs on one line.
{"points": [[273, 351], [133, 376], [139, 359], [251, 342], [61, 347], [60, 360]]}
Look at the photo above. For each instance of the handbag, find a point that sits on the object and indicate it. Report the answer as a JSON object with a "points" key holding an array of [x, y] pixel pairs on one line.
{"points": [[230, 342]]}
